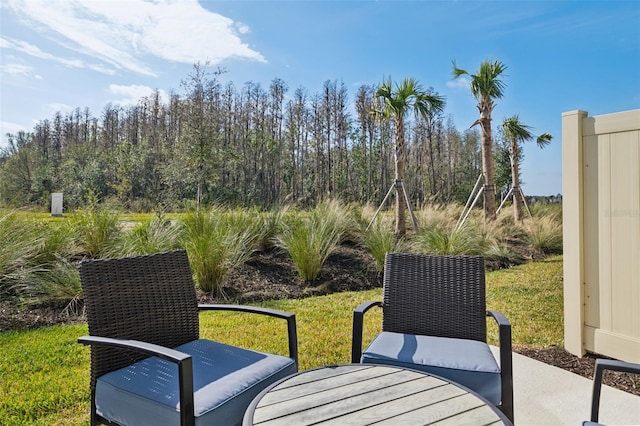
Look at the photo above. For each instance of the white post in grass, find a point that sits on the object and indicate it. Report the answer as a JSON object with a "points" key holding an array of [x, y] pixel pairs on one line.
{"points": [[56, 204]]}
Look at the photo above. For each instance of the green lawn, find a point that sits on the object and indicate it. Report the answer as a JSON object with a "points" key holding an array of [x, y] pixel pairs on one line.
{"points": [[44, 374]]}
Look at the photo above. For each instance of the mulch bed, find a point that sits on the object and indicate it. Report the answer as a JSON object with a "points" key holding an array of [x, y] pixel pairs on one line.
{"points": [[583, 366]]}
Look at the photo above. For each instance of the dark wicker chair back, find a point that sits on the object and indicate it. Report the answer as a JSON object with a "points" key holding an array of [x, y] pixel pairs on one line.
{"points": [[150, 298], [444, 296]]}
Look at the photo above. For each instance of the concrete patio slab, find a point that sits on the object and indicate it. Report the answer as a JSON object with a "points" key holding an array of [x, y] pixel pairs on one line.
{"points": [[548, 395]]}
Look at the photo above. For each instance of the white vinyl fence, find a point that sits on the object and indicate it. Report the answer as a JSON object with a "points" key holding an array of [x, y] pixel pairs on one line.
{"points": [[601, 231]]}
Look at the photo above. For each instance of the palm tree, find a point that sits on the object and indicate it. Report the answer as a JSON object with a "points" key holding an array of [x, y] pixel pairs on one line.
{"points": [[486, 86], [515, 132], [397, 102]]}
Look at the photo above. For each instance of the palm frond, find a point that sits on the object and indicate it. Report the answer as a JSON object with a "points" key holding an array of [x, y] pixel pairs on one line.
{"points": [[544, 140], [514, 130], [457, 72], [487, 83]]}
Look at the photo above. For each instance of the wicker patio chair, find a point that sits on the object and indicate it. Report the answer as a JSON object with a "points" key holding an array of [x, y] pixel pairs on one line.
{"points": [[600, 367], [434, 319], [148, 364]]}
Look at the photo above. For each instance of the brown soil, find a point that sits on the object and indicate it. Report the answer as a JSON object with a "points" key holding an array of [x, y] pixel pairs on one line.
{"points": [[270, 275]]}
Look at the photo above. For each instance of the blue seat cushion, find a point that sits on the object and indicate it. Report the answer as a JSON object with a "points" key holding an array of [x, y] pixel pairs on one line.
{"points": [[468, 362], [225, 380]]}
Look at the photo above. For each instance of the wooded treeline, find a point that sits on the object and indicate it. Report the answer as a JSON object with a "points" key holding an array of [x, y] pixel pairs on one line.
{"points": [[239, 145]]}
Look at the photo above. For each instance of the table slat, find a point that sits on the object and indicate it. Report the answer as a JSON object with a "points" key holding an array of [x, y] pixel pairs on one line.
{"points": [[480, 416], [285, 391], [371, 413], [461, 406], [345, 394], [331, 371]]}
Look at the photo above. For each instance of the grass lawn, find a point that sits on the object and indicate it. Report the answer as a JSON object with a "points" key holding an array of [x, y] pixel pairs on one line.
{"points": [[44, 373]]}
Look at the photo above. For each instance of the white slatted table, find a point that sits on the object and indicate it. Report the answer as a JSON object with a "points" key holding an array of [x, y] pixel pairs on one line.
{"points": [[359, 394]]}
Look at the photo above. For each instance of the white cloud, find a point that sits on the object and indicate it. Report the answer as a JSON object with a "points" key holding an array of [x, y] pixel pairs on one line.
{"points": [[459, 83], [242, 28], [58, 106], [32, 50], [121, 33], [18, 69], [130, 95]]}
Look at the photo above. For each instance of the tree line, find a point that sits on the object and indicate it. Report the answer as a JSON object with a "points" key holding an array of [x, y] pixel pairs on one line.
{"points": [[245, 145]]}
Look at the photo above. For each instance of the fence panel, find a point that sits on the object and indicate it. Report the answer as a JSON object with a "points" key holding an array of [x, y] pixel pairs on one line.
{"points": [[601, 221]]}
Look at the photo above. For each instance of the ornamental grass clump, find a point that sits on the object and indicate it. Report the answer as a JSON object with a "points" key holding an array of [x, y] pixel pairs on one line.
{"points": [[381, 239], [443, 241], [252, 222], [150, 236], [443, 216], [503, 254], [18, 251], [57, 240], [348, 220], [33, 260], [60, 281], [96, 231], [309, 240], [505, 227], [273, 221], [544, 234], [217, 242], [503, 236], [552, 210]]}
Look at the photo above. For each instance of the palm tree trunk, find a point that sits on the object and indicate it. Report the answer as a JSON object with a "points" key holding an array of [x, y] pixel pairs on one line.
{"points": [[399, 177], [485, 107], [515, 181]]}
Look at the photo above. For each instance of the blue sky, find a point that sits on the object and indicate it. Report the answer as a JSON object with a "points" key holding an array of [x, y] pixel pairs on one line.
{"points": [[561, 55]]}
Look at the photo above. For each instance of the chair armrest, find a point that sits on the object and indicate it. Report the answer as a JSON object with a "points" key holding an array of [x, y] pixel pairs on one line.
{"points": [[504, 328], [184, 362], [506, 361], [150, 349], [358, 326], [607, 364], [292, 332]]}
